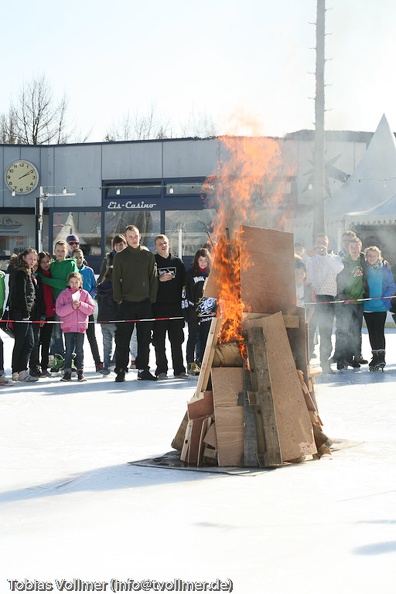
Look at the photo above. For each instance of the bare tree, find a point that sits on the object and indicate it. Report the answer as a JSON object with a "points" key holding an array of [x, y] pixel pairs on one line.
{"points": [[198, 126], [36, 117], [8, 128], [149, 126], [146, 126]]}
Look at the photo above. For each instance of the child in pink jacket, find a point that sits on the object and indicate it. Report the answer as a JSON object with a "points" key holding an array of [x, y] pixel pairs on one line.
{"points": [[74, 305]]}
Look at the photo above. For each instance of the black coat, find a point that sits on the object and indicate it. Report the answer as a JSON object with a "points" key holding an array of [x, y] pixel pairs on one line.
{"points": [[22, 293], [107, 307]]}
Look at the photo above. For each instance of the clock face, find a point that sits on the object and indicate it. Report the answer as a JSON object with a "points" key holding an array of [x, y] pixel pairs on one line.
{"points": [[21, 177]]}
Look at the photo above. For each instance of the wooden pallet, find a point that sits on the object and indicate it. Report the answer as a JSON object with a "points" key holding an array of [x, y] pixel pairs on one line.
{"points": [[180, 441]]}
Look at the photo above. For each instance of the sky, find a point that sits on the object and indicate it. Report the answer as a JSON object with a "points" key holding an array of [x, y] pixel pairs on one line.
{"points": [[245, 65]]}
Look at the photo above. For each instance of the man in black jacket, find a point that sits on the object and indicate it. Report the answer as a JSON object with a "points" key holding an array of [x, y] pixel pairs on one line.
{"points": [[135, 286], [172, 278]]}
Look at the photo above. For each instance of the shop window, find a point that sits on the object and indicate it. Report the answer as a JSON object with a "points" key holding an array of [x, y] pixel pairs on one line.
{"points": [[148, 223], [87, 225], [188, 230], [17, 232]]}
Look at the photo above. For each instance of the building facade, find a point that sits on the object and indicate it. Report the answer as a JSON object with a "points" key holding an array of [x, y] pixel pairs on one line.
{"points": [[162, 186]]}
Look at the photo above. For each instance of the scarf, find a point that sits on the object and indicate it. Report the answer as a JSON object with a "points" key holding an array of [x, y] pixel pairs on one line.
{"points": [[378, 264]]}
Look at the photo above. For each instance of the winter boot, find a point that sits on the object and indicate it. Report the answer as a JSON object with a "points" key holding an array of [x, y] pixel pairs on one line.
{"points": [[381, 360], [374, 362], [80, 376]]}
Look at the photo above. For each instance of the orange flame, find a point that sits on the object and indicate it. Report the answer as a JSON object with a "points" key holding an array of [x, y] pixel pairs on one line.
{"points": [[246, 172]]}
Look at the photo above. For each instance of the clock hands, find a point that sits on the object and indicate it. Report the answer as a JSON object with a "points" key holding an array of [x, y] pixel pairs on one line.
{"points": [[25, 174]]}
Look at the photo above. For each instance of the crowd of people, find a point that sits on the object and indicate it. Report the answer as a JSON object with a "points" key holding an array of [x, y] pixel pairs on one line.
{"points": [[343, 289], [142, 298]]}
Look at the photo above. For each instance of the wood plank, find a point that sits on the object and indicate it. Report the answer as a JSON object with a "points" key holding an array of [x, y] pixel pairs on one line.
{"points": [[210, 445], [290, 321], [267, 283], [211, 438], [250, 436], [201, 407], [210, 456], [195, 451], [299, 342], [292, 417], [178, 440], [201, 448], [206, 366], [269, 448], [227, 383], [186, 442], [211, 286], [307, 396]]}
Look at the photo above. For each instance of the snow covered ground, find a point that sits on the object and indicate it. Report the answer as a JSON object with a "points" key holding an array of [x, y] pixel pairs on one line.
{"points": [[73, 509]]}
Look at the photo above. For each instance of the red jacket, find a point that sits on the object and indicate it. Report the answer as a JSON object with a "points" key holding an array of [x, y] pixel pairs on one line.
{"points": [[48, 296]]}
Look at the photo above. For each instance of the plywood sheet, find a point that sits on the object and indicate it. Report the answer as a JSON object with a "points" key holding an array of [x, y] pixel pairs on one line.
{"points": [[206, 365], [210, 438], [178, 440], [227, 383], [267, 283], [292, 417], [268, 446], [199, 428], [201, 407], [211, 286]]}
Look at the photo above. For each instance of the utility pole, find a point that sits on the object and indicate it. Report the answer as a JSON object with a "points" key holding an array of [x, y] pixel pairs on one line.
{"points": [[319, 186]]}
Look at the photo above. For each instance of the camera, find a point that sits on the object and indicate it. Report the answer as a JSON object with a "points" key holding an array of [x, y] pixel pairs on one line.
{"points": [[321, 249]]}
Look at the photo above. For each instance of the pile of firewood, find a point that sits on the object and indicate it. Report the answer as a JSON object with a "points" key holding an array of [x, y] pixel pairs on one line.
{"points": [[254, 405]]}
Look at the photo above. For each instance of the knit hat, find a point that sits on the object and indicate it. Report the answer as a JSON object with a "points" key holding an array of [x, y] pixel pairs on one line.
{"points": [[70, 238]]}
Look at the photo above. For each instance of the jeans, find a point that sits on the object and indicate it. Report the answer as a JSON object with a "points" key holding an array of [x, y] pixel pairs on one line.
{"points": [[349, 317], [23, 343], [174, 328], [198, 331], [92, 339], [74, 344], [192, 342], [204, 327], [1, 356], [108, 334], [42, 337], [57, 346]]}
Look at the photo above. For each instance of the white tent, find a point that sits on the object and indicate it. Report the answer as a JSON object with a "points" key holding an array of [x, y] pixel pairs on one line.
{"points": [[371, 185], [68, 228], [383, 214]]}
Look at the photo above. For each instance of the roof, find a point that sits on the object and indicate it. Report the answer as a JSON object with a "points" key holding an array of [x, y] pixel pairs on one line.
{"points": [[372, 182], [383, 213]]}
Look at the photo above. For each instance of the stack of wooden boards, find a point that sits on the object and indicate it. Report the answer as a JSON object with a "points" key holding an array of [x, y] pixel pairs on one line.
{"points": [[260, 412]]}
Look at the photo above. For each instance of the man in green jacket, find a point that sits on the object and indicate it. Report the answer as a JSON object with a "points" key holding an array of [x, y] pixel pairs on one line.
{"points": [[135, 286]]}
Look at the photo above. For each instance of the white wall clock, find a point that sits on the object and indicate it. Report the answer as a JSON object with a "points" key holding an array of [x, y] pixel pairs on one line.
{"points": [[21, 177]]}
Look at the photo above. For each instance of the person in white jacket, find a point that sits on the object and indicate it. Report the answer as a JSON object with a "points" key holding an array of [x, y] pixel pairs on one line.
{"points": [[323, 268]]}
